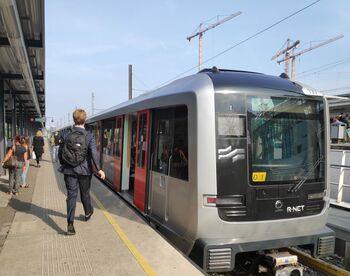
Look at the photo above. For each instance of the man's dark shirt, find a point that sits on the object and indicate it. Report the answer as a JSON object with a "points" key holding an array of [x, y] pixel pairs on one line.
{"points": [[90, 164]]}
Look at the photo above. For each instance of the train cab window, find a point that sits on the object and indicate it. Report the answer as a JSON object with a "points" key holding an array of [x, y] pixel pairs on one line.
{"points": [[170, 142], [142, 143], [287, 139]]}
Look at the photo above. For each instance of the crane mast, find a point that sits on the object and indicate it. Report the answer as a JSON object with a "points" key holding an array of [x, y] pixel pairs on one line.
{"points": [[201, 31]]}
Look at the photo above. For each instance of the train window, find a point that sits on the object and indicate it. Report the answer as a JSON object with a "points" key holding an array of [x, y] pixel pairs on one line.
{"points": [[179, 161], [170, 142], [142, 143], [118, 138], [108, 147], [231, 125], [287, 140]]}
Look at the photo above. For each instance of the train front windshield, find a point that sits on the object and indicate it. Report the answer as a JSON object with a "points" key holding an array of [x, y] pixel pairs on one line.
{"points": [[286, 140]]}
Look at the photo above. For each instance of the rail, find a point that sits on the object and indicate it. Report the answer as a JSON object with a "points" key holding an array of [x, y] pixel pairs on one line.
{"points": [[317, 264]]}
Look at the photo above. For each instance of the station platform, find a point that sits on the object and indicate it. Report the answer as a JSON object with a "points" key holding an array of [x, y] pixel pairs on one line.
{"points": [[115, 241], [339, 222]]}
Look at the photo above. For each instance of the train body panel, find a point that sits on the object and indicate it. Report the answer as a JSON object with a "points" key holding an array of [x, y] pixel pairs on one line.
{"points": [[230, 159]]}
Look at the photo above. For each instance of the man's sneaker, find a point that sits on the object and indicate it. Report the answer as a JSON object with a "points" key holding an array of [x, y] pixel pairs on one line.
{"points": [[70, 229], [89, 216]]}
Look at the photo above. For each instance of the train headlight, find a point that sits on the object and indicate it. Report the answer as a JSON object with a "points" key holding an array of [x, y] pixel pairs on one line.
{"points": [[223, 201], [316, 195]]}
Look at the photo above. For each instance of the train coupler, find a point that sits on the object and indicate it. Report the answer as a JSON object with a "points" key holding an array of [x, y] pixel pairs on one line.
{"points": [[280, 263]]}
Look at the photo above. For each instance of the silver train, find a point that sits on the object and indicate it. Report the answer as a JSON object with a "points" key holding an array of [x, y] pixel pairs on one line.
{"points": [[228, 164]]}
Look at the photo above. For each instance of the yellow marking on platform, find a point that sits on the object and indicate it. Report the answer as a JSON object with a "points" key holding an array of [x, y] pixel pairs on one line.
{"points": [[139, 258]]}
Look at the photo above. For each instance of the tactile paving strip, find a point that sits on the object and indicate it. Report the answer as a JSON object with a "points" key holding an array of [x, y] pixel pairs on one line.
{"points": [[61, 254]]}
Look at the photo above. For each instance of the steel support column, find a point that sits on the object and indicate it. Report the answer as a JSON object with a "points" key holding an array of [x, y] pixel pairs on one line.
{"points": [[2, 123], [20, 119], [26, 123], [14, 118]]}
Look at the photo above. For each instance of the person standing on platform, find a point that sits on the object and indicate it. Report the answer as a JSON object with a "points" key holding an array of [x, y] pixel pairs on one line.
{"points": [[25, 144], [79, 159], [15, 173], [52, 142], [56, 145], [38, 146]]}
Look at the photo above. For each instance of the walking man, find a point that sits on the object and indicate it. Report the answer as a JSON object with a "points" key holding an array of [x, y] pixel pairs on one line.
{"points": [[79, 159]]}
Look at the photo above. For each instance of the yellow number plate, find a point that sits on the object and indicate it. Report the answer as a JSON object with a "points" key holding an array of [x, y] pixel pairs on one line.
{"points": [[259, 176]]}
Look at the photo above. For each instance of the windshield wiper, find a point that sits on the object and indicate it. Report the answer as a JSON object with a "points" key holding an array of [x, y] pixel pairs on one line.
{"points": [[297, 186]]}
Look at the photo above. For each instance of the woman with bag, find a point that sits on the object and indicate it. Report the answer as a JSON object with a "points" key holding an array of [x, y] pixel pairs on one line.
{"points": [[38, 146], [15, 161], [25, 144]]}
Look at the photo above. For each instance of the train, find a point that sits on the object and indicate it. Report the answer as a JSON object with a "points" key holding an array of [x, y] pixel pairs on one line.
{"points": [[230, 165]]}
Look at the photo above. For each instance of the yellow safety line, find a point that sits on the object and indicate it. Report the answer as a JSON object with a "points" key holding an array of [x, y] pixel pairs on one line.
{"points": [[140, 259]]}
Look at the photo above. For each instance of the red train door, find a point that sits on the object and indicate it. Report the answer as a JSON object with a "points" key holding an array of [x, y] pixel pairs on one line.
{"points": [[141, 159], [118, 152]]}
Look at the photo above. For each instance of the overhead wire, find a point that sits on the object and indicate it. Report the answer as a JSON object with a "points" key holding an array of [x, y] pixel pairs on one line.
{"points": [[336, 89], [322, 68], [242, 41]]}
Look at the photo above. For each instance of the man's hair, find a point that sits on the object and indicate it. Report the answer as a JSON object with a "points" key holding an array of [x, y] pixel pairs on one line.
{"points": [[39, 133], [79, 116]]}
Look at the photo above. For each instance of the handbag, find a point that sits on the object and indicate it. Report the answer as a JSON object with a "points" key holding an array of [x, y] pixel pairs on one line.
{"points": [[33, 155], [10, 163]]}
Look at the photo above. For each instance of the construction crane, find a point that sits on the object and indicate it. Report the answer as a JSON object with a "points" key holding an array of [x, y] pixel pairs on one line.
{"points": [[293, 55], [286, 53], [201, 31]]}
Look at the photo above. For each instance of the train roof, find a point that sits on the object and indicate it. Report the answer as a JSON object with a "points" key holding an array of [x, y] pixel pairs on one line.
{"points": [[227, 79], [220, 80]]}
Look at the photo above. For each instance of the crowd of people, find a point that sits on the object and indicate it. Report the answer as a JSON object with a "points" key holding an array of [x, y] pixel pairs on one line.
{"points": [[341, 119], [19, 149]]}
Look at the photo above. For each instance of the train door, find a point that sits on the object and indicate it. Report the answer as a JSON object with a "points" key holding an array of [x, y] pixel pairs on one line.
{"points": [[118, 152], [141, 159], [162, 143]]}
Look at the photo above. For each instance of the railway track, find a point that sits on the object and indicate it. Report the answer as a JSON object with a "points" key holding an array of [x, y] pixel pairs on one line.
{"points": [[317, 264]]}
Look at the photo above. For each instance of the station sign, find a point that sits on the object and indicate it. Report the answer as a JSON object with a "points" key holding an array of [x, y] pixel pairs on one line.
{"points": [[40, 120]]}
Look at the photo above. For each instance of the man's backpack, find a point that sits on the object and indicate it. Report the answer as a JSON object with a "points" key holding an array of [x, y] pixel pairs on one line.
{"points": [[74, 149]]}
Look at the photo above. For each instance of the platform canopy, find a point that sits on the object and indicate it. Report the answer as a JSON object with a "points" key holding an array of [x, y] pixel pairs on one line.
{"points": [[22, 56]]}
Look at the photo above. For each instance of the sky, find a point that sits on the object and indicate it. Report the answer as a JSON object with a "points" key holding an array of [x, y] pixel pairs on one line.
{"points": [[89, 45]]}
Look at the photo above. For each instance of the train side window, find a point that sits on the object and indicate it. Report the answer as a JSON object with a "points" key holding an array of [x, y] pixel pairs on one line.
{"points": [[142, 144], [179, 160], [118, 138], [170, 142], [108, 127], [108, 137]]}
